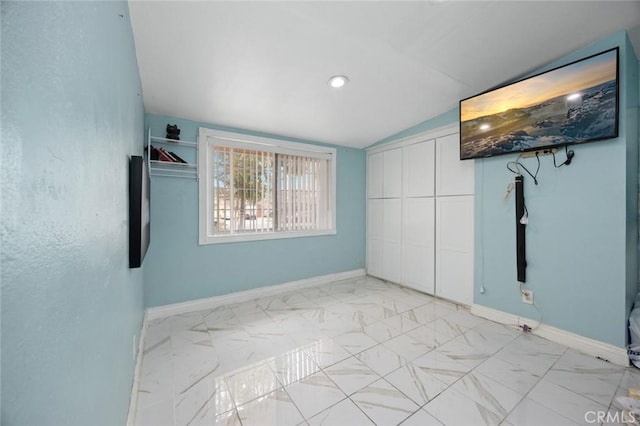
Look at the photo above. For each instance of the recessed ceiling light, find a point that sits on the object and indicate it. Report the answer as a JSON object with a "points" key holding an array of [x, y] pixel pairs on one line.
{"points": [[338, 81], [573, 96], [484, 126]]}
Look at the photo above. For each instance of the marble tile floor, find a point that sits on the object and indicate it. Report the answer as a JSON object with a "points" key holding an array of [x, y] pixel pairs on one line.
{"points": [[364, 352]]}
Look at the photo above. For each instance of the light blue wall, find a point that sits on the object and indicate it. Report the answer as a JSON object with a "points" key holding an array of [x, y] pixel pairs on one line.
{"points": [[581, 265], [632, 109], [71, 115], [581, 238], [178, 269], [441, 120]]}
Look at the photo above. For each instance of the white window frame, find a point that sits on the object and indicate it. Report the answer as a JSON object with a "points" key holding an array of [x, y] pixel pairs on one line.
{"points": [[208, 138]]}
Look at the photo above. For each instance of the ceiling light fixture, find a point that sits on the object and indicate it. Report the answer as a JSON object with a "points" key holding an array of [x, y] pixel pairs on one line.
{"points": [[338, 81]]}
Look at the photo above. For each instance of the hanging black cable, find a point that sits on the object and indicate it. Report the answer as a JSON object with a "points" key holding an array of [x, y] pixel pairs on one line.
{"points": [[570, 154], [518, 164]]}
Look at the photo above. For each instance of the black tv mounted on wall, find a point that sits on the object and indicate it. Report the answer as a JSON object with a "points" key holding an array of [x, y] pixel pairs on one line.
{"points": [[139, 223], [567, 105]]}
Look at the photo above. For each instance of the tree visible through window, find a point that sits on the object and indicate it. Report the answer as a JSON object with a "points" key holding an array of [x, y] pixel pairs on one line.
{"points": [[253, 188]]}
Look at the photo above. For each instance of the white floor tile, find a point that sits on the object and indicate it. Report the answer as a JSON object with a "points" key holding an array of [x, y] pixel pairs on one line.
{"points": [[408, 347], [402, 322], [417, 384], [292, 366], [252, 383], [586, 375], [489, 393], [564, 402], [355, 342], [229, 418], [351, 375], [421, 418], [444, 368], [159, 414], [381, 332], [381, 359], [531, 413], [343, 413], [453, 408], [532, 353], [275, 408], [326, 352], [201, 401], [383, 403], [314, 394], [515, 378]]}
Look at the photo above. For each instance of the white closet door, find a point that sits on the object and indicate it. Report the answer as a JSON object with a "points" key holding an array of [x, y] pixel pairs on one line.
{"points": [[454, 252], [453, 176], [374, 237], [392, 165], [418, 247], [374, 175], [392, 239], [418, 162]]}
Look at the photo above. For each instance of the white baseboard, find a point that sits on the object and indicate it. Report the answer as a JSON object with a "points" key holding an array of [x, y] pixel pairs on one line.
{"points": [[606, 351], [243, 296], [133, 402]]}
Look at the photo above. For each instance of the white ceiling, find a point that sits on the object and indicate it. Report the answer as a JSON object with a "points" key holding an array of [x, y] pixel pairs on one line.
{"points": [[264, 66]]}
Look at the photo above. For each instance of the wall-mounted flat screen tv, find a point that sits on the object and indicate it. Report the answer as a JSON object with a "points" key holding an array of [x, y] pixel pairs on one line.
{"points": [[139, 221], [571, 104]]}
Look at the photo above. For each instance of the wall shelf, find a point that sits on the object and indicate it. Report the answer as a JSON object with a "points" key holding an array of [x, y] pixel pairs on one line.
{"points": [[188, 170]]}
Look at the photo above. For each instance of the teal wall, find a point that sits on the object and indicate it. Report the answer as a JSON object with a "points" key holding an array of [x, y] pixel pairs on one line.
{"points": [[178, 269], [632, 103], [441, 120], [71, 115], [582, 232]]}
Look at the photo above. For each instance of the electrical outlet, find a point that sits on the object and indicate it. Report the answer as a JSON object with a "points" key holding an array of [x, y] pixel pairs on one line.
{"points": [[527, 296]]}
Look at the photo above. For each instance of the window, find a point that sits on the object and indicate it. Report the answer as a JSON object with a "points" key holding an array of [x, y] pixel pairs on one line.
{"points": [[255, 188]]}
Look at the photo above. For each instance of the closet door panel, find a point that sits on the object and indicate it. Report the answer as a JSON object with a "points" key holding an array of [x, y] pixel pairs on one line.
{"points": [[374, 237], [374, 175], [374, 257], [454, 248], [392, 220], [392, 239], [392, 165], [418, 166], [453, 176], [419, 243]]}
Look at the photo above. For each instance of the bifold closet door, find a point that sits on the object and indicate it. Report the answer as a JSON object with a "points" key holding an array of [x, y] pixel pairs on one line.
{"points": [[453, 176], [375, 170], [392, 173], [418, 248], [454, 253], [392, 239], [374, 237], [418, 161]]}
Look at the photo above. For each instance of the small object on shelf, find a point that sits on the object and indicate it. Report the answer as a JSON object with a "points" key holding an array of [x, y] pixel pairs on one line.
{"points": [[154, 153], [173, 132], [177, 157], [168, 154], [163, 156]]}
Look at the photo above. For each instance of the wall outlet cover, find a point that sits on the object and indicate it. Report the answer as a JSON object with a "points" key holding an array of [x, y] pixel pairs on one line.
{"points": [[527, 296]]}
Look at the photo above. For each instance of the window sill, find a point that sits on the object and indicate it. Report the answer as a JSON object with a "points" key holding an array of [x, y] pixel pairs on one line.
{"points": [[221, 239]]}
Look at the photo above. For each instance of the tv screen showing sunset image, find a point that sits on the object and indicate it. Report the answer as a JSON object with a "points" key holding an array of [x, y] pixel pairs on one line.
{"points": [[567, 105]]}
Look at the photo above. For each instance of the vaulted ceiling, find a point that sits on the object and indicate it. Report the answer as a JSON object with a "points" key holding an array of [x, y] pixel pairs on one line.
{"points": [[264, 66]]}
